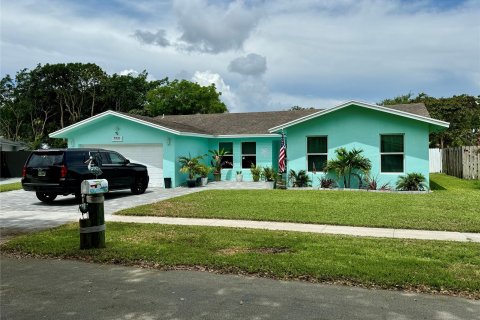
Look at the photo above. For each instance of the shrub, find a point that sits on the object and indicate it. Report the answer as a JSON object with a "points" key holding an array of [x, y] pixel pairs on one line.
{"points": [[299, 180], [327, 183], [411, 182]]}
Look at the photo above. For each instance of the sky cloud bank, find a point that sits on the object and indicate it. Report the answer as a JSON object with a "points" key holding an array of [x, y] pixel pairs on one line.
{"points": [[317, 51]]}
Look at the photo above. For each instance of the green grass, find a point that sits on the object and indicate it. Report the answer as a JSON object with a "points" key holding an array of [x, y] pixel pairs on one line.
{"points": [[389, 263], [10, 187], [453, 206]]}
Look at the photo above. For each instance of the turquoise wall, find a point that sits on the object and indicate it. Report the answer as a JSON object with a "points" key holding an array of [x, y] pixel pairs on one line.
{"points": [[265, 150], [101, 131], [359, 127], [185, 146]]}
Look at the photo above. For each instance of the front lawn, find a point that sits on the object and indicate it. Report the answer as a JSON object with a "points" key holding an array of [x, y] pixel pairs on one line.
{"points": [[453, 206], [427, 266], [10, 186]]}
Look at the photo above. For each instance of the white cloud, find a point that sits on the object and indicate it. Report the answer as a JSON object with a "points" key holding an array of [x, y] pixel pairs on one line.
{"points": [[206, 78]]}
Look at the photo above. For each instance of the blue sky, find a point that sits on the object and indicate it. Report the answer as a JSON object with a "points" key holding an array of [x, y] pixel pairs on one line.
{"points": [[262, 55]]}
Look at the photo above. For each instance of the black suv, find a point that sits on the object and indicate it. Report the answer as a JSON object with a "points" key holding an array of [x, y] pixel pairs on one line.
{"points": [[56, 172]]}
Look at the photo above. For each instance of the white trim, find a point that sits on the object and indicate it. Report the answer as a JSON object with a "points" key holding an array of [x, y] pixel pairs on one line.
{"points": [[392, 153], [156, 126], [364, 105], [260, 135], [108, 113]]}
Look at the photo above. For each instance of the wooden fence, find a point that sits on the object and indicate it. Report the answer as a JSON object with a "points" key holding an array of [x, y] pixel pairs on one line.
{"points": [[462, 162]]}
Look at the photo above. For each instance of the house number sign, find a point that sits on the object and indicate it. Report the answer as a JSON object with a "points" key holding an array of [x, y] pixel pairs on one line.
{"points": [[117, 138]]}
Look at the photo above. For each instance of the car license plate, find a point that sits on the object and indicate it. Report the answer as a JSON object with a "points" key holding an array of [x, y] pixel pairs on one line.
{"points": [[41, 173]]}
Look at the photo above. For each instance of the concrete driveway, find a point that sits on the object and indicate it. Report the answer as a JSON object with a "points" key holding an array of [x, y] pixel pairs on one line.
{"points": [[22, 212]]}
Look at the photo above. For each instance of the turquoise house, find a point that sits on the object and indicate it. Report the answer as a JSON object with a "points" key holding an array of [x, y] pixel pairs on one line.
{"points": [[394, 138]]}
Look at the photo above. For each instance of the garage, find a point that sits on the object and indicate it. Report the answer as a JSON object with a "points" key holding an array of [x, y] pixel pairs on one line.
{"points": [[150, 155]]}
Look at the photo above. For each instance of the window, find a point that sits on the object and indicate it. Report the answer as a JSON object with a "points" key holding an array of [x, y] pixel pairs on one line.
{"points": [[228, 159], [249, 154], [317, 152], [391, 152]]}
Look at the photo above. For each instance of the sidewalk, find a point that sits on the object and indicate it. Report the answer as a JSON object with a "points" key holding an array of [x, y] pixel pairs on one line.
{"points": [[313, 228]]}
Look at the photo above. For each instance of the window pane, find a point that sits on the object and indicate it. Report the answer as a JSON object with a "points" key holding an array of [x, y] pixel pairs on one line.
{"points": [[392, 163], [391, 143], [319, 160], [227, 162], [316, 144], [249, 148], [227, 146], [247, 161], [115, 158]]}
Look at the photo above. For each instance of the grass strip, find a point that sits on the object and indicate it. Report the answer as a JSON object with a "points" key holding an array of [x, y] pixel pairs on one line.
{"points": [[10, 186], [453, 206], [427, 266]]}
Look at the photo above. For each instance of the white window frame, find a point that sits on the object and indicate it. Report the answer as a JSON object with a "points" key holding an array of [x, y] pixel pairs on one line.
{"points": [[315, 154], [247, 154], [392, 153], [228, 155]]}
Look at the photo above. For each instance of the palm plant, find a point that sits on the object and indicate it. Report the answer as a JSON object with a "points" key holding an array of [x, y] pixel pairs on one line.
{"points": [[411, 182], [256, 172], [300, 179], [190, 165], [269, 174], [217, 159], [349, 163]]}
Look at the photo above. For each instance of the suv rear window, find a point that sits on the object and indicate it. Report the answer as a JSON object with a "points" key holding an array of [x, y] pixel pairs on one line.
{"points": [[45, 159], [76, 158]]}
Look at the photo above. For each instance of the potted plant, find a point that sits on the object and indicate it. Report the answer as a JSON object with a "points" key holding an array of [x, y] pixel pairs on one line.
{"points": [[239, 176], [203, 171], [217, 162], [269, 174], [191, 166], [256, 172]]}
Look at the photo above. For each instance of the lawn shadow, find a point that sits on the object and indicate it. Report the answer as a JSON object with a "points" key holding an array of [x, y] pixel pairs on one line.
{"points": [[436, 186]]}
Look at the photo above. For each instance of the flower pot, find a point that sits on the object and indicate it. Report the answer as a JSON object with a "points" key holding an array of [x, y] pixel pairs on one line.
{"points": [[239, 177], [191, 183], [204, 181], [217, 176]]}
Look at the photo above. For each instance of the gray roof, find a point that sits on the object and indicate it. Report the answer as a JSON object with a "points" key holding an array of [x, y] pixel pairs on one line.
{"points": [[416, 108], [247, 123]]}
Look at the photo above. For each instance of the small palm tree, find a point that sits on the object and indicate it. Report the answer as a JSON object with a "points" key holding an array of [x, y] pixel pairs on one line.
{"points": [[348, 163], [300, 179], [190, 165], [217, 159], [411, 182]]}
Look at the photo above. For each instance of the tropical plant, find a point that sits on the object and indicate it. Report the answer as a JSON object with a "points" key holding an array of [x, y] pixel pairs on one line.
{"points": [[256, 172], [269, 174], [411, 182], [217, 159], [299, 180], [372, 183], [327, 183], [204, 170], [190, 165], [348, 164]]}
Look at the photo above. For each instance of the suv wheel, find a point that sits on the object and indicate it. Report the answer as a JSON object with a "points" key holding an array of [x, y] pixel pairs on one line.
{"points": [[139, 186], [46, 196]]}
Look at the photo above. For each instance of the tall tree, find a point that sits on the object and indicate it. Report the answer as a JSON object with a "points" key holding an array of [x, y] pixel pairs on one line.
{"points": [[463, 113], [183, 97]]}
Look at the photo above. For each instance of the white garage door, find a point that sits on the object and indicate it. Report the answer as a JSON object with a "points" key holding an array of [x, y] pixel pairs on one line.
{"points": [[150, 155]]}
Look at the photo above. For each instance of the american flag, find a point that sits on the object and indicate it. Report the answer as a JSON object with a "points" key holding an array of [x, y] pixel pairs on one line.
{"points": [[282, 156]]}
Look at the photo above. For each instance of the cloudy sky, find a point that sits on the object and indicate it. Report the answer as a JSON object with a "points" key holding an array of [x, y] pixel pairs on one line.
{"points": [[262, 55]]}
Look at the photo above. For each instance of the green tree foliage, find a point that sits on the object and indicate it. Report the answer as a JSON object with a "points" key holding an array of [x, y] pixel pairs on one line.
{"points": [[183, 97], [463, 113], [52, 96]]}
